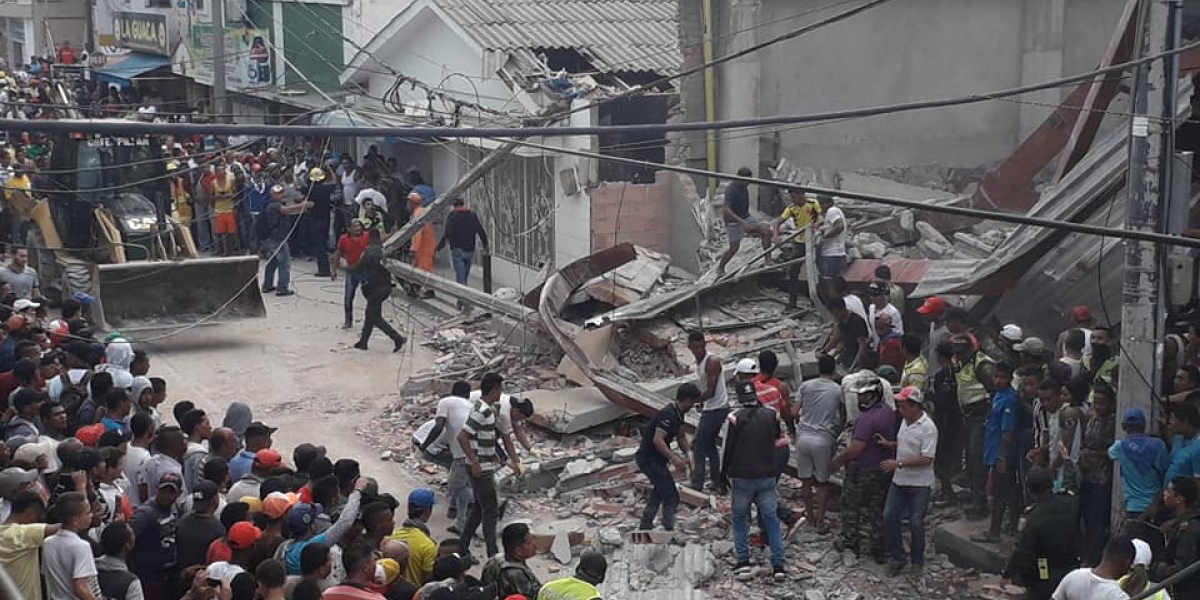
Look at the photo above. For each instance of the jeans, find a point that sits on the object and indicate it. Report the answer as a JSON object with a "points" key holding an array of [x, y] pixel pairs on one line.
{"points": [[485, 510], [664, 494], [831, 266], [761, 493], [374, 317], [461, 259], [912, 502], [1095, 502], [977, 472], [203, 220], [704, 448], [281, 261], [459, 488], [353, 281], [318, 233]]}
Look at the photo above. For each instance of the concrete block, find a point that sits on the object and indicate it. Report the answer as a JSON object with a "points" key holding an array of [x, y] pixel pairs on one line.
{"points": [[693, 498], [954, 540]]}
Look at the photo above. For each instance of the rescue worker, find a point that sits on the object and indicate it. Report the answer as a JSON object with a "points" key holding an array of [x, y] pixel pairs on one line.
{"points": [[583, 586], [973, 377], [1048, 546], [424, 242]]}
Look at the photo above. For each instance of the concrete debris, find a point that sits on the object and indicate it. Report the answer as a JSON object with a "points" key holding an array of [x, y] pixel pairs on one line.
{"points": [[583, 466], [561, 549]]}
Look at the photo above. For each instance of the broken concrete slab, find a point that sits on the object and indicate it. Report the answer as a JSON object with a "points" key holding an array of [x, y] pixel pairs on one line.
{"points": [[954, 540], [571, 410], [600, 349]]}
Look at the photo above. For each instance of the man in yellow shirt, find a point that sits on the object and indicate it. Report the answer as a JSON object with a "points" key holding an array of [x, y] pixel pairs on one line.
{"points": [[18, 196], [222, 188], [801, 213], [22, 535], [590, 573], [414, 532]]}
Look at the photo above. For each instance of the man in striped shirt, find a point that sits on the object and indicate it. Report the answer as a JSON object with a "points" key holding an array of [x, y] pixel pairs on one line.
{"points": [[478, 442]]}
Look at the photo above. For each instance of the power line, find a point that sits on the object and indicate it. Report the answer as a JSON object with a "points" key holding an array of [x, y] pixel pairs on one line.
{"points": [[85, 125]]}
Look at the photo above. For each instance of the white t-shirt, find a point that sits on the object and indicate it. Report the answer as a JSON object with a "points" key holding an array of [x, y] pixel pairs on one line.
{"points": [[503, 411], [889, 310], [455, 410], [65, 558], [1083, 584], [135, 460], [913, 442], [854, 304], [372, 194], [833, 245]]}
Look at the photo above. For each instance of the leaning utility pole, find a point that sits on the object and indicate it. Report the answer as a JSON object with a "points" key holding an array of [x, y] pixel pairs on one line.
{"points": [[1151, 134], [219, 96]]}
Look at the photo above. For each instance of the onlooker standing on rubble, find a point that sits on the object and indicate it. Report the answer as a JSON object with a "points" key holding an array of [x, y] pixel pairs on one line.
{"points": [[1010, 336], [1095, 469], [753, 430], [795, 220], [912, 480], [895, 294], [821, 419], [880, 305], [973, 376], [478, 442], [1070, 365], [831, 254], [852, 339], [887, 342], [947, 414], [655, 458], [714, 407], [1000, 454], [442, 432], [1081, 319], [934, 311], [461, 229], [738, 220], [865, 483], [1049, 543]]}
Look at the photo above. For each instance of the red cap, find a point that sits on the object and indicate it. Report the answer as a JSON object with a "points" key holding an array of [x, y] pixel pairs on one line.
{"points": [[932, 305], [1082, 314], [243, 534], [268, 458]]}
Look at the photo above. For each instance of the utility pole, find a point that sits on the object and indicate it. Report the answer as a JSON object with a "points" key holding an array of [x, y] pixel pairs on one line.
{"points": [[221, 102], [1149, 184]]}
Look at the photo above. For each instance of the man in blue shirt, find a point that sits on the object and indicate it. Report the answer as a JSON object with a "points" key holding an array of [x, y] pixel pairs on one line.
{"points": [[1143, 461], [1000, 454], [1185, 443], [739, 221], [257, 437]]}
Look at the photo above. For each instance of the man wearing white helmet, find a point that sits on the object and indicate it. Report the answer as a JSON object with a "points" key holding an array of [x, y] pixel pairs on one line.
{"points": [[863, 493]]}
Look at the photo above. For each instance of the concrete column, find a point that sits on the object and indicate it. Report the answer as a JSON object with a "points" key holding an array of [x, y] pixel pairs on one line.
{"points": [[1041, 59], [689, 146], [738, 81]]}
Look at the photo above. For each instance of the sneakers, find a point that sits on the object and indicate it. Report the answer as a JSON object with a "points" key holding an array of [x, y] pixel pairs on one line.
{"points": [[361, 346], [347, 325], [778, 574], [743, 567], [268, 289], [284, 293], [400, 344], [894, 568]]}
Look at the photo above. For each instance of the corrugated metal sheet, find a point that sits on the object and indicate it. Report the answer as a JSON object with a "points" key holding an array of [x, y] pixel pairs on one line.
{"points": [[613, 35]]}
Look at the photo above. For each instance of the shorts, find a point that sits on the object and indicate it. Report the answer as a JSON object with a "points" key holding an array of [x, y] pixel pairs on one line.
{"points": [[814, 452], [224, 223], [735, 231]]}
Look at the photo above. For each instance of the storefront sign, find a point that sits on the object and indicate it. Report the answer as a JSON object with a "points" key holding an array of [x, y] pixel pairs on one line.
{"points": [[247, 57], [143, 32]]}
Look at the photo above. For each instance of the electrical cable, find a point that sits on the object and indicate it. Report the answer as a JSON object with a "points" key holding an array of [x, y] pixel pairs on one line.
{"points": [[91, 126]]}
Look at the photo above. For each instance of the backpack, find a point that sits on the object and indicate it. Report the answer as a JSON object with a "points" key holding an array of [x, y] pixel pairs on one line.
{"points": [[262, 225], [73, 395]]}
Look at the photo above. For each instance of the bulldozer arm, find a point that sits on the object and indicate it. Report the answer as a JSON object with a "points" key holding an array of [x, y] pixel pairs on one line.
{"points": [[144, 295]]}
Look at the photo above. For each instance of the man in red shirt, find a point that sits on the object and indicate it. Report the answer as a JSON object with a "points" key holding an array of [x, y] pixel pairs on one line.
{"points": [[350, 248], [66, 54]]}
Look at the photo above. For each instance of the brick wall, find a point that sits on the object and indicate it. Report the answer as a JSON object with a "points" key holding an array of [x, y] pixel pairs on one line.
{"points": [[641, 217]]}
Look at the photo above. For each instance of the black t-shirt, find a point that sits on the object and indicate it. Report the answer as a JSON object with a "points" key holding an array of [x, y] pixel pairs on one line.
{"points": [[321, 195], [193, 536], [851, 331], [278, 223], [401, 590], [670, 421]]}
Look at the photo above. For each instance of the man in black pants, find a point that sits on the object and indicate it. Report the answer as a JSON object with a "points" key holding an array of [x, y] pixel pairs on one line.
{"points": [[377, 286]]}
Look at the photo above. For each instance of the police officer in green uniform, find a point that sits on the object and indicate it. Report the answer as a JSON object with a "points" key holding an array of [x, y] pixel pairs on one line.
{"points": [[973, 377], [1048, 548]]}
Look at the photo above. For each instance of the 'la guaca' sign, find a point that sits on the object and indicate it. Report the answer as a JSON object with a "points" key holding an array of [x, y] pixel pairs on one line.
{"points": [[143, 32]]}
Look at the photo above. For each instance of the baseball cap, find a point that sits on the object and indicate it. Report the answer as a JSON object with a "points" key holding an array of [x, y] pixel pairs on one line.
{"points": [[13, 479], [422, 498], [223, 571], [911, 394], [276, 504], [243, 534], [268, 457], [203, 491], [170, 479], [1012, 333], [1031, 345], [386, 571], [25, 304], [450, 567], [259, 428], [300, 517], [253, 503], [932, 305], [747, 365], [1142, 555], [1133, 416], [875, 289]]}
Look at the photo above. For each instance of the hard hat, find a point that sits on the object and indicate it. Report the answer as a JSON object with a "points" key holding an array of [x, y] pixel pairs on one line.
{"points": [[316, 174], [172, 166]]}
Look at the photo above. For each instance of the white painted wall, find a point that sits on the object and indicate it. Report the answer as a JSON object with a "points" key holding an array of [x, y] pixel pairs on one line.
{"points": [[362, 20]]}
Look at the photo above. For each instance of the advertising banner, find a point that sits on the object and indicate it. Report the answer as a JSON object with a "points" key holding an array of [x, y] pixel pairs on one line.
{"points": [[247, 57], [142, 32]]}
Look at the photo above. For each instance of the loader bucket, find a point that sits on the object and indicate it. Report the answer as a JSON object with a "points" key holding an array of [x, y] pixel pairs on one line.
{"points": [[164, 294]]}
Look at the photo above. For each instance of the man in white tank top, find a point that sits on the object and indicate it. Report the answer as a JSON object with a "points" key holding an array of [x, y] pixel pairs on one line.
{"points": [[714, 407]]}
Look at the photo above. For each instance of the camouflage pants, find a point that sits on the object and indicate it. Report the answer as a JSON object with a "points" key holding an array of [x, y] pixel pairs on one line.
{"points": [[863, 497]]}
